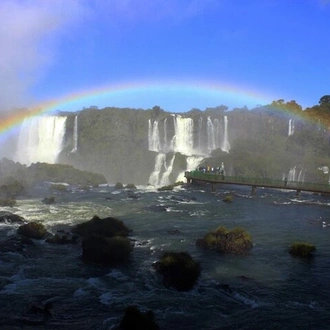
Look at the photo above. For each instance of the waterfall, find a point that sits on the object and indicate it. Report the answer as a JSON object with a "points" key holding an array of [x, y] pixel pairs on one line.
{"points": [[218, 131], [40, 139], [200, 135], [184, 140], [291, 127], [75, 135], [225, 145], [210, 135], [153, 136], [159, 164], [165, 135], [292, 174], [192, 164], [301, 175], [164, 181]]}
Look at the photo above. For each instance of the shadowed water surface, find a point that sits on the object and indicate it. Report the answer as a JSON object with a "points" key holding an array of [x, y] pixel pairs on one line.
{"points": [[268, 289]]}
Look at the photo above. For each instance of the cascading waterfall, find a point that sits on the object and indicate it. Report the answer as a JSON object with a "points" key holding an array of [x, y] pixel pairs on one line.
{"points": [[40, 139], [291, 127], [154, 178], [296, 175], [75, 135], [165, 135], [164, 181], [218, 131], [292, 174], [183, 139], [153, 136], [200, 135], [210, 135], [225, 145]]}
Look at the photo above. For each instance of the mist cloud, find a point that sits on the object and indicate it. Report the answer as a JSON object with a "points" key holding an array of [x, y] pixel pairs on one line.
{"points": [[29, 32]]}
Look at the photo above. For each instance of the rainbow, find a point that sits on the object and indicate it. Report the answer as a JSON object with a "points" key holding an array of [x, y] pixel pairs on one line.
{"points": [[173, 94]]}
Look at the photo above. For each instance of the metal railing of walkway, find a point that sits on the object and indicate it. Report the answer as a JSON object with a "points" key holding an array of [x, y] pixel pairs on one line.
{"points": [[214, 178]]}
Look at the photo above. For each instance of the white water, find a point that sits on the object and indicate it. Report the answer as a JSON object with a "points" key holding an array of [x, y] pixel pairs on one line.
{"points": [[154, 178], [75, 135], [291, 127], [40, 139], [153, 136], [225, 145], [164, 181], [192, 164], [184, 139], [210, 136]]}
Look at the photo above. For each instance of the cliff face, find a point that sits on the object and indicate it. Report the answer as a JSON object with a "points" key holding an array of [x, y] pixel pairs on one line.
{"points": [[112, 142], [153, 146]]}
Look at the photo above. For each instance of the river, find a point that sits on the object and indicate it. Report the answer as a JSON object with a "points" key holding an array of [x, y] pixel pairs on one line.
{"points": [[267, 289]]}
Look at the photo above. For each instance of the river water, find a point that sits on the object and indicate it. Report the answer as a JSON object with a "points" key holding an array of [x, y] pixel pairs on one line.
{"points": [[267, 289]]}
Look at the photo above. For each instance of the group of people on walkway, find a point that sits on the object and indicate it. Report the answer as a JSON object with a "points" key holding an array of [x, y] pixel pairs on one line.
{"points": [[220, 170]]}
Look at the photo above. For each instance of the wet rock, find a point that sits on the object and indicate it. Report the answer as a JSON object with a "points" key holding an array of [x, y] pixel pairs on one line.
{"points": [[108, 227], [174, 232], [7, 217], [130, 186], [236, 241], [119, 185], [179, 270], [48, 200], [63, 237], [302, 249], [134, 319], [106, 250], [33, 230]]}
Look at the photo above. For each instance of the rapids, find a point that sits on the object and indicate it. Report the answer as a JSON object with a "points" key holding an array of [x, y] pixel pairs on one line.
{"points": [[268, 289]]}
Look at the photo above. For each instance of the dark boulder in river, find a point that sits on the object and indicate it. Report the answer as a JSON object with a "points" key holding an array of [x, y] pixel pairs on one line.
{"points": [[8, 217], [108, 227], [135, 319], [179, 270], [33, 230], [106, 250]]}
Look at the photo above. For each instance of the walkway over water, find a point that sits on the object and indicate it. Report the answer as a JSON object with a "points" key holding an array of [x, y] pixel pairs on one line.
{"points": [[214, 179]]}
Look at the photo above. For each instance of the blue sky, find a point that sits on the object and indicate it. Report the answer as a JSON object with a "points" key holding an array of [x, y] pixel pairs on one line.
{"points": [[178, 54]]}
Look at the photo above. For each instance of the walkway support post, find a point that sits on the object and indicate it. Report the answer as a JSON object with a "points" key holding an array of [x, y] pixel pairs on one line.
{"points": [[254, 190], [212, 187]]}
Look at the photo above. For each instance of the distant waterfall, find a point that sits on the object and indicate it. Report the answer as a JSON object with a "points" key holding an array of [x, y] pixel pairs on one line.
{"points": [[200, 135], [153, 136], [165, 135], [225, 145], [296, 175], [181, 136], [164, 181], [184, 139], [291, 127], [75, 135], [154, 178], [210, 134], [40, 139]]}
